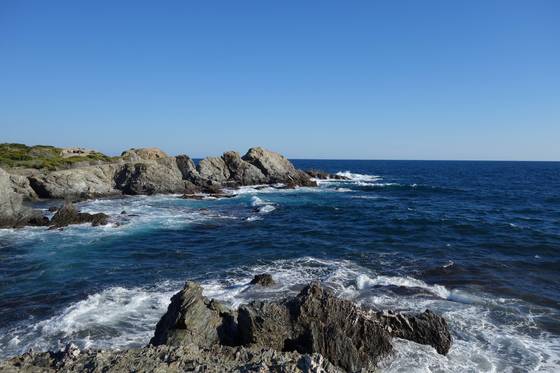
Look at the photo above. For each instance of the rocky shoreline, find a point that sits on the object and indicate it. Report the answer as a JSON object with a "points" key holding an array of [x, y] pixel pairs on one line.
{"points": [[144, 171], [312, 332]]}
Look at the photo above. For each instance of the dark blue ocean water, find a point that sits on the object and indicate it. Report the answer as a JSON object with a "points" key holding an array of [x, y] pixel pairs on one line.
{"points": [[476, 241]]}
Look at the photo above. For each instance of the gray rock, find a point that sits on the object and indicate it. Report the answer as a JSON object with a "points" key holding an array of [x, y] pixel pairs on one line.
{"points": [[76, 183], [277, 168], [317, 322], [13, 213], [159, 359], [424, 328], [190, 318], [21, 186], [151, 177], [150, 154], [243, 172], [214, 169]]}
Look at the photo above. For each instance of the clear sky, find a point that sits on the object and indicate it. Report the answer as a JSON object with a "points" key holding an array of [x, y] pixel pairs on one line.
{"points": [[311, 79]]}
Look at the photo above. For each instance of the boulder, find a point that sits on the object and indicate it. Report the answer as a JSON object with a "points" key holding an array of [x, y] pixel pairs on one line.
{"points": [[277, 168], [68, 214], [264, 279], [149, 154], [151, 177], [214, 169], [243, 172], [76, 183]]}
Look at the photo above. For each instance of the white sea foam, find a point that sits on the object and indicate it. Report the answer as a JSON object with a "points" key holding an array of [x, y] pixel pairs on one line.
{"points": [[113, 318], [358, 177]]}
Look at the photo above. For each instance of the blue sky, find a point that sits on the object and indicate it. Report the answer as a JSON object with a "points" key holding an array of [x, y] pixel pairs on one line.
{"points": [[311, 79]]}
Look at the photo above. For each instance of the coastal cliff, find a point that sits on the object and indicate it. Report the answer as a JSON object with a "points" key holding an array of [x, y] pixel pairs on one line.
{"points": [[312, 332], [143, 171]]}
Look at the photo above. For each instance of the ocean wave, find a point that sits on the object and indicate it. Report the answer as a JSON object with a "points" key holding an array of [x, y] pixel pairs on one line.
{"points": [[116, 317], [358, 177]]}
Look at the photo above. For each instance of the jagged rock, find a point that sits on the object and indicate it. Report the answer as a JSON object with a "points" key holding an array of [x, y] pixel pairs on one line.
{"points": [[68, 214], [264, 279], [277, 168], [188, 169], [425, 328], [150, 154], [190, 318], [241, 171], [82, 182], [312, 332], [316, 321]]}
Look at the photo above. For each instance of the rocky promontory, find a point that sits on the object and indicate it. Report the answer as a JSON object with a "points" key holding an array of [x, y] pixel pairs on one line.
{"points": [[137, 171], [312, 332]]}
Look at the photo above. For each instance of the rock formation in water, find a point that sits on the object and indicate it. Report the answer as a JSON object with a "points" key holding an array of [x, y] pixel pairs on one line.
{"points": [[144, 171], [150, 171], [312, 332]]}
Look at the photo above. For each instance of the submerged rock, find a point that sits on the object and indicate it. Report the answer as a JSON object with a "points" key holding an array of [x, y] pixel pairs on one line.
{"points": [[68, 214], [264, 279]]}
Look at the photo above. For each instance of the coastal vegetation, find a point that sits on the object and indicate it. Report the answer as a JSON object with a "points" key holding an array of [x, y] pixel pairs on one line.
{"points": [[47, 157]]}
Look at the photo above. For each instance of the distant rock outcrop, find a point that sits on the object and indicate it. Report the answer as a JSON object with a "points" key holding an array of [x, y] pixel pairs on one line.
{"points": [[149, 171]]}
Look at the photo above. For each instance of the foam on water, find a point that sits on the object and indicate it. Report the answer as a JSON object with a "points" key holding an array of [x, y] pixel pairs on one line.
{"points": [[116, 317], [358, 177]]}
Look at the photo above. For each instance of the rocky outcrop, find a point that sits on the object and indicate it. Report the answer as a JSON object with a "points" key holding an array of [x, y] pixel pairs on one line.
{"points": [[312, 332], [277, 168], [77, 183], [13, 213], [142, 154], [315, 321], [151, 177], [424, 328], [68, 214], [242, 172], [214, 169]]}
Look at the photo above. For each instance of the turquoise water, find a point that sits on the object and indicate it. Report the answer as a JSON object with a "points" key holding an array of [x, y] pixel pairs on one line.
{"points": [[478, 242]]}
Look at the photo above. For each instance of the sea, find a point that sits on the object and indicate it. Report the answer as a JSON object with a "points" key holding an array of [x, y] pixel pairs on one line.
{"points": [[477, 242]]}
